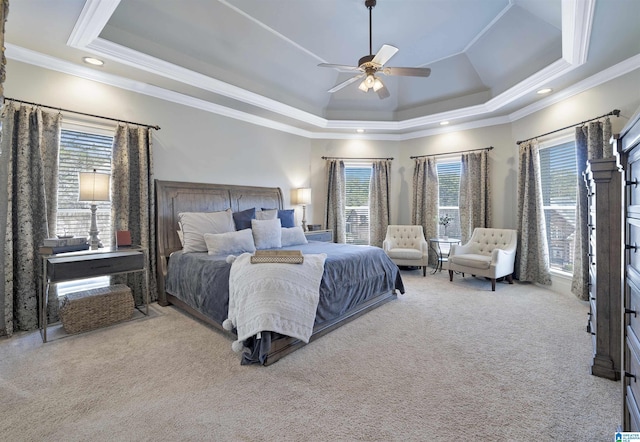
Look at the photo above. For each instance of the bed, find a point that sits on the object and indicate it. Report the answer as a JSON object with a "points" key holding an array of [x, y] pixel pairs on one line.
{"points": [[356, 279]]}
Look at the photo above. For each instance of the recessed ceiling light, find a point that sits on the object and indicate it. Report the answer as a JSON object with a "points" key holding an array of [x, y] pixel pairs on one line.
{"points": [[93, 61], [546, 90], [360, 131], [444, 123]]}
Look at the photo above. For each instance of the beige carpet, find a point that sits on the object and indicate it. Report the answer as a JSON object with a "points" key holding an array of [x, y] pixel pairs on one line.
{"points": [[446, 361]]}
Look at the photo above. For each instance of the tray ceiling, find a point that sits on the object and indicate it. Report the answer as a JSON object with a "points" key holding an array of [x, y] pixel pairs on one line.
{"points": [[257, 60]]}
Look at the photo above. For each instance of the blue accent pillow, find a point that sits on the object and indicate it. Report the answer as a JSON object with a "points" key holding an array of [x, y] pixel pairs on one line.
{"points": [[243, 219], [287, 217]]}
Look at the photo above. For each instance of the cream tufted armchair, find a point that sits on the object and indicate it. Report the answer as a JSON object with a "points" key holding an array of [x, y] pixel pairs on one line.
{"points": [[406, 246], [490, 253]]}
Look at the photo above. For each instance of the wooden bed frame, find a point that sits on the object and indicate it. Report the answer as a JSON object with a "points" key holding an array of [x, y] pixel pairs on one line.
{"points": [[173, 197]]}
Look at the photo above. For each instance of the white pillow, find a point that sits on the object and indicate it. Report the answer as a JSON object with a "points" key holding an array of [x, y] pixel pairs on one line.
{"points": [[292, 236], [267, 234], [195, 224], [267, 214], [239, 241]]}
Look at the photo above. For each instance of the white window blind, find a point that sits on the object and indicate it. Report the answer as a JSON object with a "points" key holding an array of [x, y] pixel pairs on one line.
{"points": [[558, 172], [448, 193], [82, 152], [357, 179]]}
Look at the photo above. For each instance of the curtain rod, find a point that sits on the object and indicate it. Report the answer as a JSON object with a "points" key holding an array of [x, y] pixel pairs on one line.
{"points": [[343, 158], [615, 112], [59, 109], [450, 153]]}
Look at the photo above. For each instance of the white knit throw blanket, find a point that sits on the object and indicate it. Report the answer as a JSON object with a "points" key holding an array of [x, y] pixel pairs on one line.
{"points": [[276, 297]]}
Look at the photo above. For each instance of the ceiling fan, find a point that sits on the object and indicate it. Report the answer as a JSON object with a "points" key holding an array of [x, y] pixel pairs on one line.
{"points": [[371, 64]]}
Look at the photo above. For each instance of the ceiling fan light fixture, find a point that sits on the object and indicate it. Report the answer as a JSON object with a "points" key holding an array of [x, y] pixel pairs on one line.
{"points": [[363, 86], [370, 80], [377, 84]]}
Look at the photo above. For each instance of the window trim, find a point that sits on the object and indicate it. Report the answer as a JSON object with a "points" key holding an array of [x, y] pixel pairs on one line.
{"points": [[361, 164], [449, 159], [555, 141], [92, 128]]}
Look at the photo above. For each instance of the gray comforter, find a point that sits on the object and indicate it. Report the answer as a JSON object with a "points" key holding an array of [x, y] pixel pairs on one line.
{"points": [[352, 275]]}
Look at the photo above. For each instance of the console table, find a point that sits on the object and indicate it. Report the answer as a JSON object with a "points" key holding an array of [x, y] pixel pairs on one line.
{"points": [[87, 264]]}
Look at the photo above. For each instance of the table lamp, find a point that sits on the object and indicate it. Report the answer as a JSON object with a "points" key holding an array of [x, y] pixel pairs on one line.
{"points": [[94, 187], [302, 197]]}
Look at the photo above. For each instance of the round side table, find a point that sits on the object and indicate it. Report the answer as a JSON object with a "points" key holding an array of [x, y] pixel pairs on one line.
{"points": [[442, 253]]}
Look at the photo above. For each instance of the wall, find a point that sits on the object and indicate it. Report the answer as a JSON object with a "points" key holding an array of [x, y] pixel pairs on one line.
{"points": [[502, 164], [622, 93], [194, 145], [356, 148]]}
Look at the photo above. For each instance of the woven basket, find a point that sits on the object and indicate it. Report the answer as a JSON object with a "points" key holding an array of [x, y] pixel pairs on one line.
{"points": [[90, 309]]}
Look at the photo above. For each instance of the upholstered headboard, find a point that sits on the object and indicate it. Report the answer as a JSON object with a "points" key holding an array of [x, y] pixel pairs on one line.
{"points": [[174, 197]]}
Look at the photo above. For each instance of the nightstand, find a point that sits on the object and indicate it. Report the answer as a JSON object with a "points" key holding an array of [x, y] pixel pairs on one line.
{"points": [[86, 264], [319, 235]]}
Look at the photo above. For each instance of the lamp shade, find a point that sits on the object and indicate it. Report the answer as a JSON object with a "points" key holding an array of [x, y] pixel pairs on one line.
{"points": [[94, 186], [302, 196]]}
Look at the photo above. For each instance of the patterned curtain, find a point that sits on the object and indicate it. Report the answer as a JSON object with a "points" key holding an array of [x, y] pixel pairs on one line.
{"points": [[133, 206], [592, 142], [379, 202], [425, 198], [336, 200], [4, 12], [475, 191], [532, 259], [28, 190]]}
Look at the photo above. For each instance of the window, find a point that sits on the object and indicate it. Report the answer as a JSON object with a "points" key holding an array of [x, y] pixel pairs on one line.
{"points": [[558, 171], [448, 193], [81, 151], [357, 179]]}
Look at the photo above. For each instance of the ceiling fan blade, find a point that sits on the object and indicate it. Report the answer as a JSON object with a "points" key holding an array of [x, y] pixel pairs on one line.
{"points": [[409, 72], [383, 93], [339, 86], [384, 54], [339, 67]]}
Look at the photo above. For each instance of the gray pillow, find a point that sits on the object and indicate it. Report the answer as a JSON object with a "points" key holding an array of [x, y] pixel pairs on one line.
{"points": [[267, 214], [239, 241], [292, 236], [267, 234], [195, 224]]}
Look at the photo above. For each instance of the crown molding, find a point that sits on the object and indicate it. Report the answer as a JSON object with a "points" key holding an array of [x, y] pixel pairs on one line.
{"points": [[577, 20], [624, 67], [576, 17], [23, 55], [28, 56], [93, 18]]}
